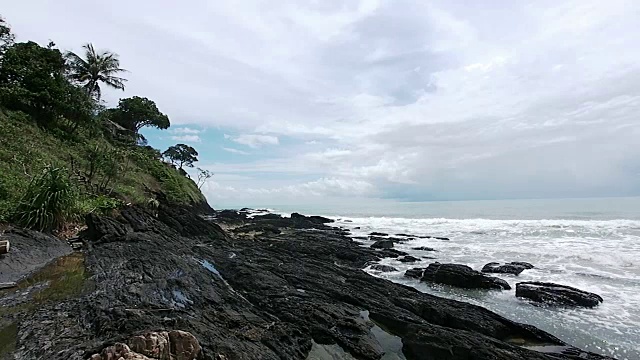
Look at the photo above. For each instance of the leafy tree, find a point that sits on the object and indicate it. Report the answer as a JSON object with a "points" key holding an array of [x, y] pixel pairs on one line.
{"points": [[181, 155], [32, 80], [137, 112], [6, 37], [203, 176], [95, 68]]}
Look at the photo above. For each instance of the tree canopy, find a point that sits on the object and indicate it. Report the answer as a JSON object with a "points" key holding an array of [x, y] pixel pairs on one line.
{"points": [[137, 112], [181, 155], [6, 36], [32, 80], [95, 68]]}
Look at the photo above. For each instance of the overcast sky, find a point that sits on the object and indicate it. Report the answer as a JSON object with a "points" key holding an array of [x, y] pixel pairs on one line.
{"points": [[295, 101]]}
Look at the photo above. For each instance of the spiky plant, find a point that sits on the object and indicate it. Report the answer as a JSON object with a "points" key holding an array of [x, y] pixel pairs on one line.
{"points": [[48, 202]]}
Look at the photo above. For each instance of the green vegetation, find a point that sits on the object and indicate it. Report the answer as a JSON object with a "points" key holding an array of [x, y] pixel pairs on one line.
{"points": [[94, 69], [181, 155], [63, 152]]}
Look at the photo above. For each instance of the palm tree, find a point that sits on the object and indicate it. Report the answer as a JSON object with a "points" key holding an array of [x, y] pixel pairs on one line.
{"points": [[95, 68]]}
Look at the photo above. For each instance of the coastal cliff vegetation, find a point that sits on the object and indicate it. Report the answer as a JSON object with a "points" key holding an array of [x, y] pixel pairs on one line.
{"points": [[64, 152]]}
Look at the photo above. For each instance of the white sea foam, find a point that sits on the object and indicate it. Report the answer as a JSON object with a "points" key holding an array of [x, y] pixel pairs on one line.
{"points": [[602, 256]]}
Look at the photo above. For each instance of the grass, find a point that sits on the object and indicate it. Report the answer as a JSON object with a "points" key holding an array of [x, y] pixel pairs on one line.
{"points": [[27, 150]]}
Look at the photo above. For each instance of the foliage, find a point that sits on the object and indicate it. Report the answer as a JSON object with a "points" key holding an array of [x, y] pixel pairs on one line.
{"points": [[181, 155], [203, 176], [32, 80], [27, 149], [51, 121], [6, 37], [137, 112], [95, 68], [48, 202]]}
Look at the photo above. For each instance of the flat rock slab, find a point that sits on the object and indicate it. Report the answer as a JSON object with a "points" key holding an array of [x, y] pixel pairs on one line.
{"points": [[556, 294], [30, 250], [462, 276]]}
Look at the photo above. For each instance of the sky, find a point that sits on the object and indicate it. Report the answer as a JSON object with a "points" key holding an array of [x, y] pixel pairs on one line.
{"points": [[290, 102]]}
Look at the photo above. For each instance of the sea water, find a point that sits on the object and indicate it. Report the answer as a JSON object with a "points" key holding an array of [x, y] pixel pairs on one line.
{"points": [[591, 244]]}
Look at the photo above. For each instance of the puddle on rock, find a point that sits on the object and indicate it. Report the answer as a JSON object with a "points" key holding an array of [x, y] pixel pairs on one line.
{"points": [[391, 344], [65, 277]]}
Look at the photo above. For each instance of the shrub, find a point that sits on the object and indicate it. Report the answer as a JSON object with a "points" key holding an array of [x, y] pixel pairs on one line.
{"points": [[49, 201]]}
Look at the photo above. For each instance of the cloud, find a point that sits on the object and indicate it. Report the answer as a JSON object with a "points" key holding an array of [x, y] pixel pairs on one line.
{"points": [[409, 99], [253, 140], [185, 130], [235, 151], [187, 138]]}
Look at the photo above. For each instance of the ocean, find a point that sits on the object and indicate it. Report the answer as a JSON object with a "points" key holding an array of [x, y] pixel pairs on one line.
{"points": [[591, 244]]}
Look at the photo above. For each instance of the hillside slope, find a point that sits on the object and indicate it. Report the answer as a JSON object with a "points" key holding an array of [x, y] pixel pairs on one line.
{"points": [[104, 172]]}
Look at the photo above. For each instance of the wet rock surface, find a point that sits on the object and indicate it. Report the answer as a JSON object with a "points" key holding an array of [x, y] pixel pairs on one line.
{"points": [[462, 276], [382, 244], [555, 294], [382, 268], [253, 296], [514, 268], [30, 251]]}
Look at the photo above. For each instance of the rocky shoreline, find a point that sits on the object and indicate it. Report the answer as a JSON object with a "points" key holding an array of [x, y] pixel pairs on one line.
{"points": [[169, 283]]}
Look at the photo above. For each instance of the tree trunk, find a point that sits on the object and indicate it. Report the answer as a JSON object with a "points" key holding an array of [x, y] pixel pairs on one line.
{"points": [[4, 246]]}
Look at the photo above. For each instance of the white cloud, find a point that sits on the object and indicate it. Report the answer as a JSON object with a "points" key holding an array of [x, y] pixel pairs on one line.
{"points": [[253, 140], [235, 151], [185, 130], [479, 99], [187, 138]]}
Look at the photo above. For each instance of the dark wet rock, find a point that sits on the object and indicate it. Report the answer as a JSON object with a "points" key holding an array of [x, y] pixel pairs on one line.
{"points": [[391, 238], [257, 228], [231, 215], [525, 265], [382, 244], [312, 219], [462, 276], [408, 259], [424, 248], [383, 268], [406, 235], [245, 297], [555, 294], [30, 251], [391, 253], [415, 273], [514, 268], [375, 233], [356, 228], [433, 237], [268, 217]]}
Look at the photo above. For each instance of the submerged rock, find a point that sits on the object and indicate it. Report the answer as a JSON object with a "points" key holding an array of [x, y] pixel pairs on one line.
{"points": [[382, 244], [511, 268], [415, 273], [555, 294], [462, 276], [408, 259], [424, 248], [375, 233], [383, 268]]}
